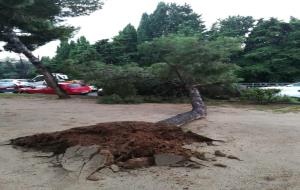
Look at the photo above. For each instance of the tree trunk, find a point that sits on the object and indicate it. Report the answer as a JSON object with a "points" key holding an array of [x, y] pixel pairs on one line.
{"points": [[198, 110], [18, 47]]}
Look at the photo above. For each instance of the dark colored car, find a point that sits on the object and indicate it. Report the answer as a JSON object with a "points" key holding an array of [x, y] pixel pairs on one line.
{"points": [[8, 87]]}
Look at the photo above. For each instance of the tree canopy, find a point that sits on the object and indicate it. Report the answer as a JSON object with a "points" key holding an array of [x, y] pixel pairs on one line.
{"points": [[169, 19], [272, 52], [37, 21], [27, 24]]}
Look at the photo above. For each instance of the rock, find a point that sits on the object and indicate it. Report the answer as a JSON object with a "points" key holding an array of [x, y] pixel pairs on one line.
{"points": [[93, 178], [108, 155], [220, 165], [137, 163], [191, 164], [233, 157], [76, 157], [115, 168], [198, 161], [167, 159], [219, 153], [97, 162], [206, 156]]}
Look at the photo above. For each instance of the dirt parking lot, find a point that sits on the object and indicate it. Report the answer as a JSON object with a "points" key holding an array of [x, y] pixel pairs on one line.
{"points": [[268, 144]]}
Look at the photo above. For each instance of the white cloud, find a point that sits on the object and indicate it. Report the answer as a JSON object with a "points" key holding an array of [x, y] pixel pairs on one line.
{"points": [[116, 14]]}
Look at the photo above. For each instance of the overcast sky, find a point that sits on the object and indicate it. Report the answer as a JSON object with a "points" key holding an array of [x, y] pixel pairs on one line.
{"points": [[116, 14]]}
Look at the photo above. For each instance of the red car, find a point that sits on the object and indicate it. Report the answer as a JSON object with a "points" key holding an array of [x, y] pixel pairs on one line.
{"points": [[70, 88]]}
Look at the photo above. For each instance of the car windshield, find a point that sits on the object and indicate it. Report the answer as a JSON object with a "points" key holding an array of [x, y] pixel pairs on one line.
{"points": [[74, 85]]}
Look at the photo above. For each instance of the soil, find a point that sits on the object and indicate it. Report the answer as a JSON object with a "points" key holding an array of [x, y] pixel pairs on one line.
{"points": [[267, 142], [124, 140]]}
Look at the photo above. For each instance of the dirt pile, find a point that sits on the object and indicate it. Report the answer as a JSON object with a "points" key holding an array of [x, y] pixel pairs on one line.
{"points": [[125, 140], [117, 145]]}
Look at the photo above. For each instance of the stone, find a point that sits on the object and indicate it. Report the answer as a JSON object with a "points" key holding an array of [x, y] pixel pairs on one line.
{"points": [[92, 178], [137, 163], [233, 157], [76, 157], [206, 156], [167, 159], [115, 168], [219, 153], [198, 161], [97, 162], [220, 165], [190, 164]]}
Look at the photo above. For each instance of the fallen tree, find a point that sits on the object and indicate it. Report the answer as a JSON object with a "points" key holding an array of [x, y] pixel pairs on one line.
{"points": [[132, 145], [198, 110], [194, 63]]}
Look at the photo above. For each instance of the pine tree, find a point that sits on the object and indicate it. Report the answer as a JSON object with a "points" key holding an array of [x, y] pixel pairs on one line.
{"points": [[28, 24]]}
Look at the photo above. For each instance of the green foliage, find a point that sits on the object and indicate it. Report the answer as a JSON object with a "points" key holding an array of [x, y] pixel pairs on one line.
{"points": [[75, 58], [131, 80], [225, 91], [37, 21], [197, 62], [118, 80], [123, 48], [192, 61], [124, 45], [20, 69], [169, 19], [233, 26], [265, 96], [116, 99], [272, 52]]}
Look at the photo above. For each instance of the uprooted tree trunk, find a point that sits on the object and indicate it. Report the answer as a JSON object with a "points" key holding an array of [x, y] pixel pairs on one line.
{"points": [[198, 110], [198, 107], [15, 43]]}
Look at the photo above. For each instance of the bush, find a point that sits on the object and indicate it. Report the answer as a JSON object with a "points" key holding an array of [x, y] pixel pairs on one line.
{"points": [[265, 96], [112, 99], [223, 92], [116, 99]]}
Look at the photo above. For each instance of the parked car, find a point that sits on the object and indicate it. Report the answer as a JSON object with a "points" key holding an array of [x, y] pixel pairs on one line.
{"points": [[40, 79], [19, 82], [8, 87], [291, 90], [70, 88]]}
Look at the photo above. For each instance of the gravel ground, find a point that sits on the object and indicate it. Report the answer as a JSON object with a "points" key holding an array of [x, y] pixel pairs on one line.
{"points": [[268, 144]]}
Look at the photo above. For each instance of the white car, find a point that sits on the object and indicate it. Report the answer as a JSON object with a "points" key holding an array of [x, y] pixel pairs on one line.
{"points": [[18, 82], [39, 80], [291, 90]]}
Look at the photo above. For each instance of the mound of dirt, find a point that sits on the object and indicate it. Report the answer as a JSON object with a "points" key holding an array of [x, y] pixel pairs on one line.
{"points": [[128, 145], [125, 140]]}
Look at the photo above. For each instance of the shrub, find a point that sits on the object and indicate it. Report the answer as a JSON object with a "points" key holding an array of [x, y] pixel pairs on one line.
{"points": [[111, 99], [116, 99], [265, 96], [225, 91]]}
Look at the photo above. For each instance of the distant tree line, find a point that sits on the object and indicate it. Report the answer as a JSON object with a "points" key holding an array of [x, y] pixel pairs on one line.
{"points": [[265, 50], [13, 68]]}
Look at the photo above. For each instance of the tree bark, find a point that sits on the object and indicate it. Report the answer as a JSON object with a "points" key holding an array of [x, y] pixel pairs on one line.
{"points": [[18, 47], [198, 110]]}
